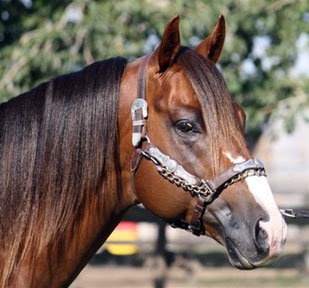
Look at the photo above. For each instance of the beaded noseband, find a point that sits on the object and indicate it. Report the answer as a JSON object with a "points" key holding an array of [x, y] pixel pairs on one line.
{"points": [[204, 190]]}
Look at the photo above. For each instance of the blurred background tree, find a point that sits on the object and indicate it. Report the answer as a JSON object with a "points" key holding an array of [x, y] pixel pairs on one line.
{"points": [[263, 59]]}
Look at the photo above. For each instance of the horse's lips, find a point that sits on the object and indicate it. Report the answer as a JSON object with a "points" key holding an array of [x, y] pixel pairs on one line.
{"points": [[236, 258]]}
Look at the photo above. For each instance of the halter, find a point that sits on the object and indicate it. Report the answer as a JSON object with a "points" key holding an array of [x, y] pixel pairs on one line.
{"points": [[204, 190]]}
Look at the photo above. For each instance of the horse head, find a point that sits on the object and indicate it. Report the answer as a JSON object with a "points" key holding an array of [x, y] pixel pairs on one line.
{"points": [[192, 134]]}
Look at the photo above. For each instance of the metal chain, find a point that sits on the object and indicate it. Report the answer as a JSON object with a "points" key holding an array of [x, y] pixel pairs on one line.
{"points": [[194, 190], [203, 190], [243, 175]]}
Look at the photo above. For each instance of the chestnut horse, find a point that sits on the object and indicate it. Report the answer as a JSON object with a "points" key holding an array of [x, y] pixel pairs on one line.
{"points": [[66, 177]]}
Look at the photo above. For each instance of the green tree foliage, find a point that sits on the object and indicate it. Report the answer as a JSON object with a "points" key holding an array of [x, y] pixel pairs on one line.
{"points": [[41, 39]]}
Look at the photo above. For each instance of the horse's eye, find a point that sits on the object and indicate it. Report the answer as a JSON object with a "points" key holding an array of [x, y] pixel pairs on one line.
{"points": [[185, 127]]}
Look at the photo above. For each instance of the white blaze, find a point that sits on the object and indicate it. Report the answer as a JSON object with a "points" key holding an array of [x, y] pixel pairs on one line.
{"points": [[239, 159], [275, 227]]}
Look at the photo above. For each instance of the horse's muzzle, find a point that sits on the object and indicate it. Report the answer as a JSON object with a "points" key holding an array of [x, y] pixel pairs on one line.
{"points": [[252, 250]]}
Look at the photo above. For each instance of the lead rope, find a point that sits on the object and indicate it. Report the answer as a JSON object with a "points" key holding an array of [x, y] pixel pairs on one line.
{"points": [[295, 213]]}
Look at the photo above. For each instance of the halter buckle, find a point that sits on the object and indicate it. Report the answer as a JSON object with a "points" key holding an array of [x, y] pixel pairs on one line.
{"points": [[139, 113], [139, 104]]}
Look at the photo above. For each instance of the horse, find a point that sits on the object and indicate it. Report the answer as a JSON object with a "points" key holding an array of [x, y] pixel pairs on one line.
{"points": [[68, 175]]}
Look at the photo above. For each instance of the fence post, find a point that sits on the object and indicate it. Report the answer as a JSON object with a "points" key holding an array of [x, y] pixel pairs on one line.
{"points": [[160, 257]]}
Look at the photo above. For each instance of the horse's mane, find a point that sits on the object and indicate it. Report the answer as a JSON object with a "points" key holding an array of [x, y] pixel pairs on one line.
{"points": [[58, 142], [216, 103]]}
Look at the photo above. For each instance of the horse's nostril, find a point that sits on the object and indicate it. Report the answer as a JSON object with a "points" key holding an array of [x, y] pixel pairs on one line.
{"points": [[260, 238]]}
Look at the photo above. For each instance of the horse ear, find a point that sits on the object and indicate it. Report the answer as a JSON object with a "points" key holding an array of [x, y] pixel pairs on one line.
{"points": [[241, 116], [211, 47], [170, 44]]}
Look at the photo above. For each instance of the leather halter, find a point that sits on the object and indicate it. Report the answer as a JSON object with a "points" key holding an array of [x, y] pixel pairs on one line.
{"points": [[204, 190]]}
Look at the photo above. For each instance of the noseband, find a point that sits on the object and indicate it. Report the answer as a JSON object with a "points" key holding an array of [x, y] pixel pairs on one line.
{"points": [[204, 190]]}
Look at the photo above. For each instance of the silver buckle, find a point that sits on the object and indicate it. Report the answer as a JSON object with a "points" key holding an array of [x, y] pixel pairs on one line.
{"points": [[139, 104], [254, 163], [136, 105]]}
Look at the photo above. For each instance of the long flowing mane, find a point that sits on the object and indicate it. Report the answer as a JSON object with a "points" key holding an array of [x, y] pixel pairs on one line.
{"points": [[58, 142]]}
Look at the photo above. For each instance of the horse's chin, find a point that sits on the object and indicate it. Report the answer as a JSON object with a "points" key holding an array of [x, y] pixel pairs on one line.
{"points": [[236, 258]]}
